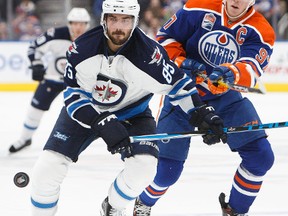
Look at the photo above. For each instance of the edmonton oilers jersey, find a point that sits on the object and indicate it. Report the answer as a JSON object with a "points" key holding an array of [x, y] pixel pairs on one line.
{"points": [[122, 83], [51, 49], [202, 31]]}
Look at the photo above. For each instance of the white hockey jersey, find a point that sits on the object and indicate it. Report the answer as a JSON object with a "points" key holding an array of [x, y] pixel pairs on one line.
{"points": [[122, 83], [50, 48]]}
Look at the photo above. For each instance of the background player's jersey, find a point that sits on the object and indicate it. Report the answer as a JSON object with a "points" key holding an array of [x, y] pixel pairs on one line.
{"points": [[51, 49], [202, 31], [124, 82]]}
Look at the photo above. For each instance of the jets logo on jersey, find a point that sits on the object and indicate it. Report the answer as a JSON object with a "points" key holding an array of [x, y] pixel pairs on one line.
{"points": [[60, 64], [72, 49], [108, 92], [156, 57], [208, 21], [105, 92], [218, 47], [51, 32]]}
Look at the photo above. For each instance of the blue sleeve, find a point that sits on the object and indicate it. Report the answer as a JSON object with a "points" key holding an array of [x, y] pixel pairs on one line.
{"points": [[179, 27], [78, 103]]}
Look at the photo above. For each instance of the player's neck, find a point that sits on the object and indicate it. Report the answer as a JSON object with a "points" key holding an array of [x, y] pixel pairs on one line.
{"points": [[113, 47]]}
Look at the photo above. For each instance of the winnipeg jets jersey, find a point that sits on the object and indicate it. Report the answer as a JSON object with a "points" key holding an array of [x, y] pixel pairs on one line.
{"points": [[201, 30], [123, 82], [50, 48]]}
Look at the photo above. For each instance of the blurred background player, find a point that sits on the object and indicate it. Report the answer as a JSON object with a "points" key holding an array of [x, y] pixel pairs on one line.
{"points": [[111, 75], [47, 54], [233, 43]]}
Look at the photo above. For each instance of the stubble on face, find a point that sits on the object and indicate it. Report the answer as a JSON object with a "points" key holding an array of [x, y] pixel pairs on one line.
{"points": [[118, 37]]}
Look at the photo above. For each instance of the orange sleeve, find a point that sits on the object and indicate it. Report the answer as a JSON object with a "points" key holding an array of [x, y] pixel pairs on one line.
{"points": [[246, 76], [243, 73], [175, 50]]}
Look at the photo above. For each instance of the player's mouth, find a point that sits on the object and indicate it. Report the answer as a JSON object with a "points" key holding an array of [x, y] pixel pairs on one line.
{"points": [[234, 7]]}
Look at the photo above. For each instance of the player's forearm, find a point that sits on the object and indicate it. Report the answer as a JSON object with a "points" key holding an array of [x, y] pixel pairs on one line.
{"points": [[79, 106]]}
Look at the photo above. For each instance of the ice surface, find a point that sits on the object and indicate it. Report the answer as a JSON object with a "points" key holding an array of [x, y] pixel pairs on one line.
{"points": [[209, 169]]}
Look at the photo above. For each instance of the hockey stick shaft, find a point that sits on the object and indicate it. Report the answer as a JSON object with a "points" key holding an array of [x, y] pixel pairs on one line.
{"points": [[228, 130], [245, 89]]}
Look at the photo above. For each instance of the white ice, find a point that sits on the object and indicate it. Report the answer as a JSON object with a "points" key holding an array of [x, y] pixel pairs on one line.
{"points": [[208, 171]]}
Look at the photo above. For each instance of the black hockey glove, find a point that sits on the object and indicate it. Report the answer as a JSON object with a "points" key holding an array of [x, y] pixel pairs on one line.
{"points": [[112, 132], [205, 119], [38, 71]]}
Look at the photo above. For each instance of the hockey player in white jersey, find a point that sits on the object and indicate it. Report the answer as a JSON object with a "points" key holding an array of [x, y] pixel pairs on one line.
{"points": [[47, 55], [112, 72]]}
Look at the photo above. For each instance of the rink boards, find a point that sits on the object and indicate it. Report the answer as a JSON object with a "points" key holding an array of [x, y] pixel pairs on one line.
{"points": [[15, 75]]}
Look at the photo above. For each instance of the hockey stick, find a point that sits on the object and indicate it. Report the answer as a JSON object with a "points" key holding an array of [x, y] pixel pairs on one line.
{"points": [[229, 130], [244, 88], [236, 87]]}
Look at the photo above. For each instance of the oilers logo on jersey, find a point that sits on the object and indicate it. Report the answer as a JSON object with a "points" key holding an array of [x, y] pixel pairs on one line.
{"points": [[218, 47], [108, 92]]}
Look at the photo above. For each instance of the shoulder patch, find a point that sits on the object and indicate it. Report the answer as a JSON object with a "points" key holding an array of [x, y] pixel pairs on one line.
{"points": [[51, 32], [208, 21], [72, 49], [156, 56]]}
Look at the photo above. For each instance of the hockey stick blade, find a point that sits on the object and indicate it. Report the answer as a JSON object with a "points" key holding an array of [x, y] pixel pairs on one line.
{"points": [[228, 130]]}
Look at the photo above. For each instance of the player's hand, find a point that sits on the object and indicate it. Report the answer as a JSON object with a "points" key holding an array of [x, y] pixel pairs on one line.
{"points": [[38, 71], [112, 132], [193, 69], [221, 76], [205, 119]]}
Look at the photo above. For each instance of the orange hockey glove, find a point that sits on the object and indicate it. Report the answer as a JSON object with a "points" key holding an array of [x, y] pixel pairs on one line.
{"points": [[221, 76]]}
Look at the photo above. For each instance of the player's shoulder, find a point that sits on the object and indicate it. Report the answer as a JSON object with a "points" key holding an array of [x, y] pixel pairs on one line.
{"points": [[52, 34], [146, 42], [59, 33], [214, 5], [90, 40], [87, 45], [62, 30], [144, 45], [91, 34], [145, 52], [263, 27]]}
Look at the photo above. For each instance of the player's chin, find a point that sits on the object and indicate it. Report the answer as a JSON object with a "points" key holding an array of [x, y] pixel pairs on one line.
{"points": [[77, 34], [119, 40], [234, 11]]}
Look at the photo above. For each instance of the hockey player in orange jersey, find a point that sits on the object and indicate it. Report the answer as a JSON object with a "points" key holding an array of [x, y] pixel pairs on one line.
{"points": [[233, 43]]}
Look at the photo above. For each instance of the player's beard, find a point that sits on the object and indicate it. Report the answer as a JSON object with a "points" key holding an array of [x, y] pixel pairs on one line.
{"points": [[118, 37]]}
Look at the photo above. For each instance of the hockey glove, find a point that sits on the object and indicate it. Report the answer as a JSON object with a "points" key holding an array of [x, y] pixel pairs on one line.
{"points": [[221, 76], [192, 68], [112, 132], [38, 70], [206, 121]]}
